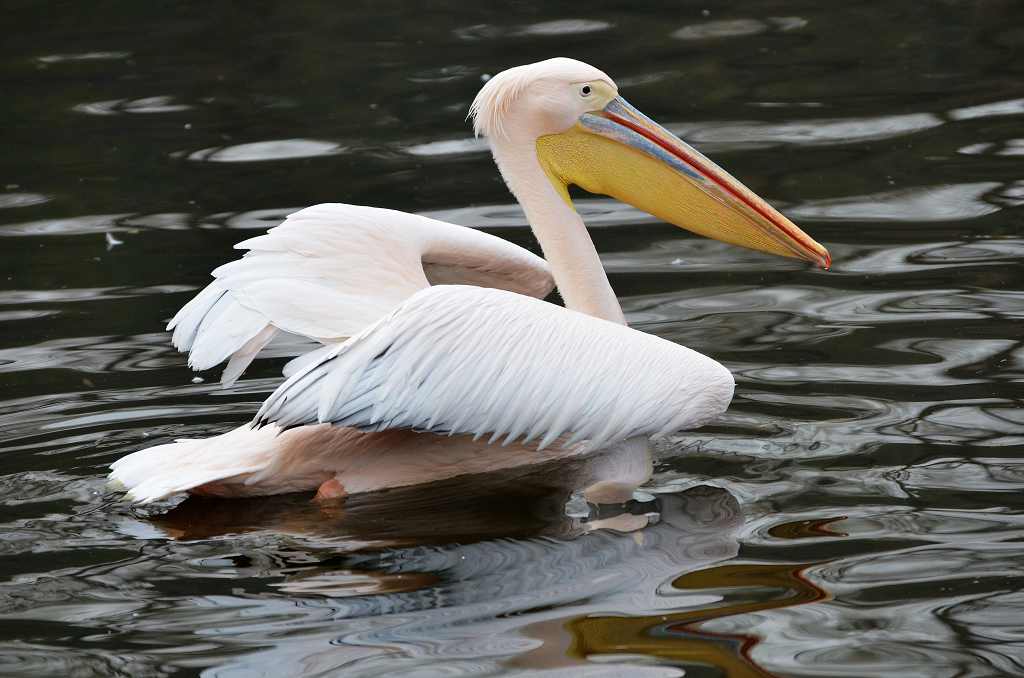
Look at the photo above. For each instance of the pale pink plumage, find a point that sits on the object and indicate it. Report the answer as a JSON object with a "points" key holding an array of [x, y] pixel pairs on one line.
{"points": [[477, 364]]}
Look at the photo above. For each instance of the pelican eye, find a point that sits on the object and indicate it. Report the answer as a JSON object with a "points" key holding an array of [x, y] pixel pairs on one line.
{"points": [[585, 90]]}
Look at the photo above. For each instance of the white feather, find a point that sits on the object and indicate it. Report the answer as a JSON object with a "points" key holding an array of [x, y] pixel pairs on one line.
{"points": [[163, 470], [241, 358], [461, 359], [331, 270]]}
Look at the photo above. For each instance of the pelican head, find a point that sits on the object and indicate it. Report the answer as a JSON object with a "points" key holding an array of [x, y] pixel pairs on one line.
{"points": [[585, 134]]}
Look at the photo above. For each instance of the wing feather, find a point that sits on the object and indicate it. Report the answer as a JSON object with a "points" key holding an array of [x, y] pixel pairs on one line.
{"points": [[459, 359], [331, 270]]}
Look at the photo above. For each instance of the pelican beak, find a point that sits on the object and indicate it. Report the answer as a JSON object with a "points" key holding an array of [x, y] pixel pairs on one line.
{"points": [[620, 152]]}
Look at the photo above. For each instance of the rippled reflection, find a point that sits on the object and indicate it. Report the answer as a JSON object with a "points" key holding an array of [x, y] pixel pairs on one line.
{"points": [[390, 599], [157, 104], [11, 200], [931, 203], [556, 27], [259, 151], [678, 636], [738, 27], [82, 56]]}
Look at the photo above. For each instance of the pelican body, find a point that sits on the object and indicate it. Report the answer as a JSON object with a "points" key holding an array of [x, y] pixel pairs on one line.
{"points": [[439, 355]]}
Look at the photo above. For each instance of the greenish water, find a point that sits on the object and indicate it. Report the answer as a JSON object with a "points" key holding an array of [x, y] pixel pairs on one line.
{"points": [[858, 512]]}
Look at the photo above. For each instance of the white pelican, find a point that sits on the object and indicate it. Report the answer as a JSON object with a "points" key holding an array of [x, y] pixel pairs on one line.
{"points": [[434, 328]]}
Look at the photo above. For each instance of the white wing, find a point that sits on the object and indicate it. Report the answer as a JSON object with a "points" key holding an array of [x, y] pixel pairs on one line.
{"points": [[460, 359], [330, 271]]}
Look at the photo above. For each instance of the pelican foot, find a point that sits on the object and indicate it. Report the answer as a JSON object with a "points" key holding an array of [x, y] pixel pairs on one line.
{"points": [[211, 490], [626, 522], [330, 490], [609, 492]]}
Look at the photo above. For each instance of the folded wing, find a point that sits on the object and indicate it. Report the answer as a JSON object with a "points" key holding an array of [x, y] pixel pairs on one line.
{"points": [[461, 359], [331, 270]]}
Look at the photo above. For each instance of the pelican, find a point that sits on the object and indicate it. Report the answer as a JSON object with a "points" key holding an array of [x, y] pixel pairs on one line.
{"points": [[440, 357]]}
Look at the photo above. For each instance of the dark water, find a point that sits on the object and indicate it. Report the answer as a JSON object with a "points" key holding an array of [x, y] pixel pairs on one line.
{"points": [[859, 511]]}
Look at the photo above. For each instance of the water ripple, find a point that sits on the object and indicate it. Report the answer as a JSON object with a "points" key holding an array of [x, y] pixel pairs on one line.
{"points": [[261, 151], [83, 56], [14, 200], [154, 104], [923, 203], [731, 28]]}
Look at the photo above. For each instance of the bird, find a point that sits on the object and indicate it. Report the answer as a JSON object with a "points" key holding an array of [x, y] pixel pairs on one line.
{"points": [[440, 356]]}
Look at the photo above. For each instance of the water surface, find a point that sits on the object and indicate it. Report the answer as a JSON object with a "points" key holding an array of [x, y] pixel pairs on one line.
{"points": [[858, 512]]}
